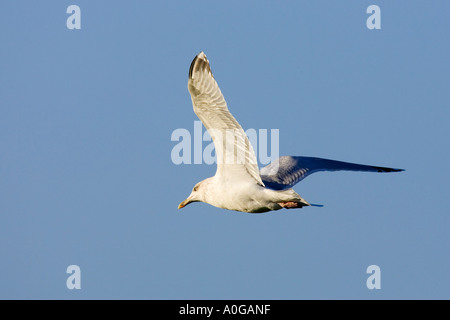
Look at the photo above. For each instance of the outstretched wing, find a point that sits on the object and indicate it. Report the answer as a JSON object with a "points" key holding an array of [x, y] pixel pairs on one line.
{"points": [[287, 171], [235, 155]]}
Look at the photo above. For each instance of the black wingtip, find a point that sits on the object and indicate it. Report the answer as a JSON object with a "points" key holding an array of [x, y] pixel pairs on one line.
{"points": [[200, 62], [191, 68], [383, 169]]}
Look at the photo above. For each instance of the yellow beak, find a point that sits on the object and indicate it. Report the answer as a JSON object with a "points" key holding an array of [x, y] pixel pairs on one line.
{"points": [[184, 203]]}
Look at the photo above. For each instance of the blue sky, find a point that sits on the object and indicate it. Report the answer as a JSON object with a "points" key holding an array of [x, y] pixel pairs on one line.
{"points": [[86, 176]]}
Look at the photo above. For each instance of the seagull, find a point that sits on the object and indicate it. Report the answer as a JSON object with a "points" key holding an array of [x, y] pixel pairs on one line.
{"points": [[238, 183]]}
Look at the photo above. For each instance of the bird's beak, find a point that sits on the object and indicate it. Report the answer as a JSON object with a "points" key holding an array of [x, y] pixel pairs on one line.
{"points": [[184, 203]]}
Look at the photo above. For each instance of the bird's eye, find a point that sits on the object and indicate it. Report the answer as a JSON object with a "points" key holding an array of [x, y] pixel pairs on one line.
{"points": [[196, 188]]}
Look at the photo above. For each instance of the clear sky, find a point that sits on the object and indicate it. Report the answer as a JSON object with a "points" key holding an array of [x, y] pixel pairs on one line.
{"points": [[87, 179]]}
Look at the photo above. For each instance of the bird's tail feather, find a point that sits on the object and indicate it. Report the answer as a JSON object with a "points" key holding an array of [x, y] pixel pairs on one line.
{"points": [[316, 205]]}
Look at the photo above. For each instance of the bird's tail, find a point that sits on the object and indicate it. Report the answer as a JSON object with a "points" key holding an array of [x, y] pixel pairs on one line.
{"points": [[316, 205]]}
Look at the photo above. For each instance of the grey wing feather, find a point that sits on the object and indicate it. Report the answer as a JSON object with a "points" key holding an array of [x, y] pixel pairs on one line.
{"points": [[287, 171]]}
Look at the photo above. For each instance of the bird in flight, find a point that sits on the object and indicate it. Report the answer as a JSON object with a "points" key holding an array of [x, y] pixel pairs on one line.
{"points": [[238, 183]]}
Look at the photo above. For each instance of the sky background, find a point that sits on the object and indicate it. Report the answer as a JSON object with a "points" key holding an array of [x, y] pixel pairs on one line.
{"points": [[86, 176]]}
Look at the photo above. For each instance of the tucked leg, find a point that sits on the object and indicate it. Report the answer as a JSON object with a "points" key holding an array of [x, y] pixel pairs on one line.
{"points": [[291, 204]]}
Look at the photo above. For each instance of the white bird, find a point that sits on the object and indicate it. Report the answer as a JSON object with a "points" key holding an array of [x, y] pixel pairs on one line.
{"points": [[238, 184]]}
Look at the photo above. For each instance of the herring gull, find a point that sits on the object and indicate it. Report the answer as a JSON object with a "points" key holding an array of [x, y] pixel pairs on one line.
{"points": [[238, 183]]}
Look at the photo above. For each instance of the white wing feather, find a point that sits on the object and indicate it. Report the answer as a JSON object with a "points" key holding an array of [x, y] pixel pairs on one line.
{"points": [[235, 155]]}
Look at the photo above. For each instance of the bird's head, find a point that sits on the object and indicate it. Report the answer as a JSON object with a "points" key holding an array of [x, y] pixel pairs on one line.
{"points": [[197, 194]]}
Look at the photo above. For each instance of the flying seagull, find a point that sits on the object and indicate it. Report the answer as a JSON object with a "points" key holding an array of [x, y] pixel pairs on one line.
{"points": [[238, 184]]}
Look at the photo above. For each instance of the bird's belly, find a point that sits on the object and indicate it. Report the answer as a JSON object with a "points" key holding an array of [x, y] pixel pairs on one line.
{"points": [[250, 199]]}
